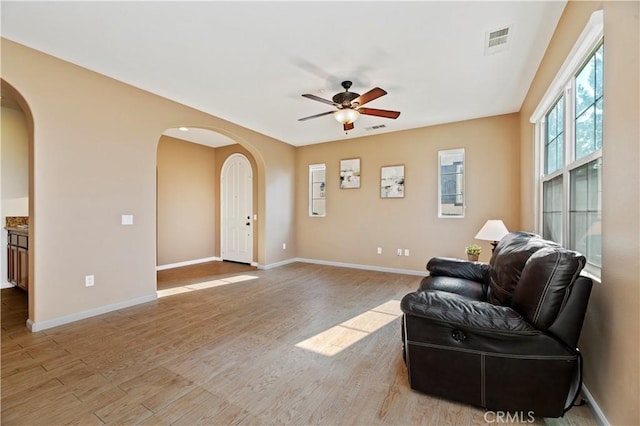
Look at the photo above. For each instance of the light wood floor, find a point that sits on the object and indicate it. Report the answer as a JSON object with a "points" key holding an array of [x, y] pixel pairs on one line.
{"points": [[300, 344], [200, 272]]}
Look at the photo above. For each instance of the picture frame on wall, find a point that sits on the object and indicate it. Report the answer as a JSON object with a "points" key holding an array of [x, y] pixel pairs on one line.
{"points": [[350, 173], [392, 180]]}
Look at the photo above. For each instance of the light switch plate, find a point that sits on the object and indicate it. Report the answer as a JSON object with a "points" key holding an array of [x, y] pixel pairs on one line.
{"points": [[127, 219], [89, 281]]}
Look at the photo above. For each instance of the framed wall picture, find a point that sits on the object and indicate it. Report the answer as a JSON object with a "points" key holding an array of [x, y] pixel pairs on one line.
{"points": [[392, 181], [350, 173]]}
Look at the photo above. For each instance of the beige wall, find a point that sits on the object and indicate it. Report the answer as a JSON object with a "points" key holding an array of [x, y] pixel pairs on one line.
{"points": [[358, 220], [14, 173], [94, 159], [609, 340], [186, 201]]}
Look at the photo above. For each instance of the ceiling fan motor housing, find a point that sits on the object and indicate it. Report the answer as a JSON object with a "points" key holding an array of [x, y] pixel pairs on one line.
{"points": [[345, 98]]}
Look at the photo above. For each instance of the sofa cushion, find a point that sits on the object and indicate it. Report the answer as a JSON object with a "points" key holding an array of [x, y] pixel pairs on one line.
{"points": [[507, 263], [545, 283]]}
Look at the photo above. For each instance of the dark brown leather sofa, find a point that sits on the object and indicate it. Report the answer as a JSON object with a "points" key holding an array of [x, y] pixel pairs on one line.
{"points": [[501, 336]]}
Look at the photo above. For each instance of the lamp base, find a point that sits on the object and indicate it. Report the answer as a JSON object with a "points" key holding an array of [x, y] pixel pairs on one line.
{"points": [[493, 246]]}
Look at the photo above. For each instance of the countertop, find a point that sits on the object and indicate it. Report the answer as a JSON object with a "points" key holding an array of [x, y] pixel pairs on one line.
{"points": [[18, 229]]}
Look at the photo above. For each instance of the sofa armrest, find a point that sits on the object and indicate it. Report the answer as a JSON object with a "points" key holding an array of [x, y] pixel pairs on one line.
{"points": [[458, 268], [461, 311], [460, 286]]}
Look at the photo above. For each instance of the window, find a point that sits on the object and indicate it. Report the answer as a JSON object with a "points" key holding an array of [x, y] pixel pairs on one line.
{"points": [[554, 141], [317, 190], [569, 140], [451, 183]]}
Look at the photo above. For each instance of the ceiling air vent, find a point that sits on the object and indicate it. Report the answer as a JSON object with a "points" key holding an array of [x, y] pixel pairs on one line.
{"points": [[379, 126], [496, 41]]}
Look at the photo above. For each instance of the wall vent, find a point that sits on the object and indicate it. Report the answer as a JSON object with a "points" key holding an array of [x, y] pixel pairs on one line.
{"points": [[497, 40], [379, 126]]}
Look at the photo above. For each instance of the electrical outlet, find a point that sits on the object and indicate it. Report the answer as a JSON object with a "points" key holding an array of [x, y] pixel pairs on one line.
{"points": [[399, 252], [406, 252], [89, 280], [379, 250]]}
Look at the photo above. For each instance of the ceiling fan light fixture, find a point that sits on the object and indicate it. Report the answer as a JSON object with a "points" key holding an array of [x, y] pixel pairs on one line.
{"points": [[346, 115]]}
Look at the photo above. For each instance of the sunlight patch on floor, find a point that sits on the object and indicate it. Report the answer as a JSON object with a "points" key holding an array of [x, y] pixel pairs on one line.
{"points": [[208, 284], [330, 342]]}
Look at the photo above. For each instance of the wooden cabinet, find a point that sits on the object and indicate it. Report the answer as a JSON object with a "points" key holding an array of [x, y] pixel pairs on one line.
{"points": [[18, 258]]}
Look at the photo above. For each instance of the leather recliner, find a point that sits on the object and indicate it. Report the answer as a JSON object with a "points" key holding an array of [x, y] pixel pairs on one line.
{"points": [[501, 336]]}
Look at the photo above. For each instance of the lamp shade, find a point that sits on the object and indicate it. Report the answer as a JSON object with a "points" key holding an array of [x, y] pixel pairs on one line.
{"points": [[346, 115], [493, 230]]}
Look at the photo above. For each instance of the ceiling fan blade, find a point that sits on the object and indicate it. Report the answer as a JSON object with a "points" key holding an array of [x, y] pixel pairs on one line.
{"points": [[348, 126], [319, 99], [372, 94], [316, 116], [379, 112]]}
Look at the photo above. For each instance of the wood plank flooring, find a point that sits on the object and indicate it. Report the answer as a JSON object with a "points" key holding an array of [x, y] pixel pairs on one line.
{"points": [[200, 272], [299, 344]]}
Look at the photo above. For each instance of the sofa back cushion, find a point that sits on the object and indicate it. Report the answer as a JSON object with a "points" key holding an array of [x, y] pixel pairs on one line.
{"points": [[507, 263], [545, 284]]}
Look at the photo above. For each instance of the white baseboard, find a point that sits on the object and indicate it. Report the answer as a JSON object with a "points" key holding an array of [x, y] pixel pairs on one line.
{"points": [[43, 325], [7, 285], [344, 265], [595, 408], [187, 263], [277, 264]]}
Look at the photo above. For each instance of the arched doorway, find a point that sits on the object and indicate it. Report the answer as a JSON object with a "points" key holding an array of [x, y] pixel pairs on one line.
{"points": [[17, 190], [189, 203], [236, 210]]}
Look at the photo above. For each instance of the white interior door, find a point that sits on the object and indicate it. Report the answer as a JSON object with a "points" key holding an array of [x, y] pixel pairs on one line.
{"points": [[236, 210]]}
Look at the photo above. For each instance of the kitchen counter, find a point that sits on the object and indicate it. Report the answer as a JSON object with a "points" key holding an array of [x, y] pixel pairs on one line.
{"points": [[23, 230]]}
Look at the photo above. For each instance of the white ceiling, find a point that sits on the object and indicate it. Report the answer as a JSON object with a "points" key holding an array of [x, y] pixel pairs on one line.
{"points": [[249, 62]]}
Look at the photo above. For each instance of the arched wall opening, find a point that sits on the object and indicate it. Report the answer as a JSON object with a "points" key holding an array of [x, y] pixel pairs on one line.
{"points": [[94, 165], [17, 199], [188, 201]]}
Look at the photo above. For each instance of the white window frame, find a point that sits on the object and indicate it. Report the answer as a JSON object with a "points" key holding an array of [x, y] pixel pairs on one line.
{"points": [[313, 168], [460, 181], [563, 84]]}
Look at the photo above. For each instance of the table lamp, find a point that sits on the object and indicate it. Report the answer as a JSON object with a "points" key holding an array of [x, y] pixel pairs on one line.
{"points": [[492, 231]]}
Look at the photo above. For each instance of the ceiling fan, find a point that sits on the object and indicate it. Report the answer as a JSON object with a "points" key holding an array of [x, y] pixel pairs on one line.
{"points": [[349, 106]]}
